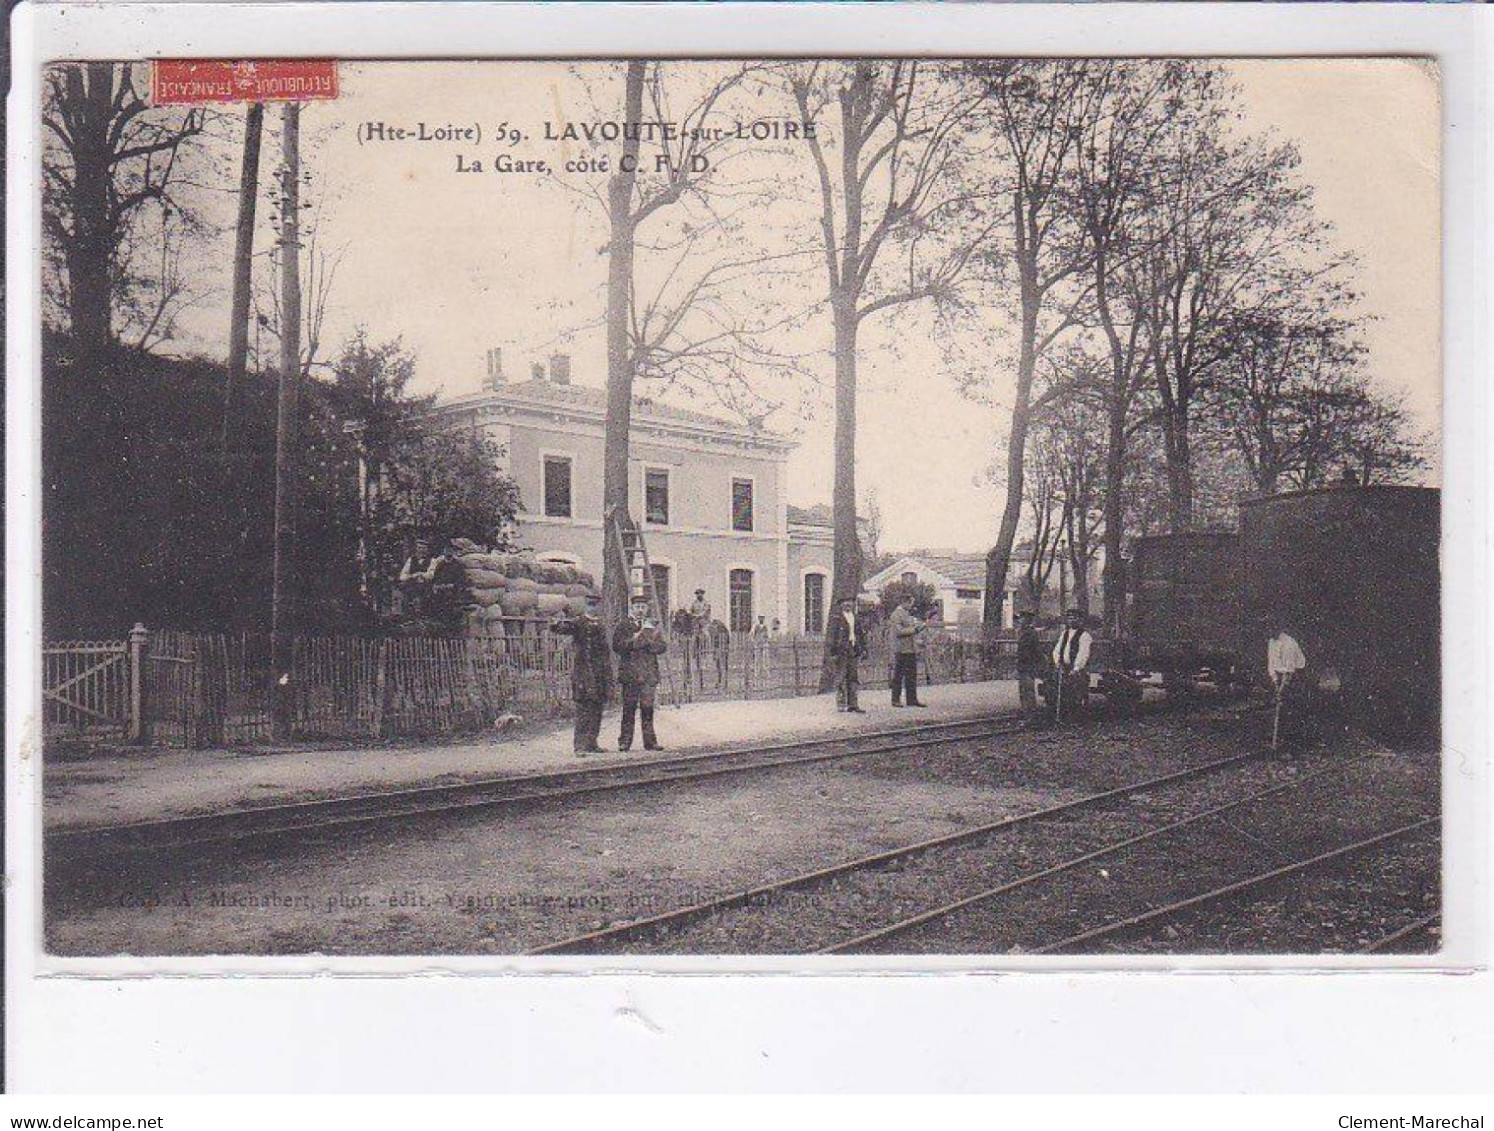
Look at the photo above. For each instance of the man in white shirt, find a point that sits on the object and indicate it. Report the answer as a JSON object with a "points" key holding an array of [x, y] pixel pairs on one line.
{"points": [[1071, 661], [1284, 660], [847, 641]]}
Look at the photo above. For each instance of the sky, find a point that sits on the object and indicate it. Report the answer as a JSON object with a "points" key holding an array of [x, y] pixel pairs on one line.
{"points": [[458, 262]]}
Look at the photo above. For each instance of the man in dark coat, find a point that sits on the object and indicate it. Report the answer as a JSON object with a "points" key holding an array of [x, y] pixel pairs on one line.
{"points": [[1030, 664], [638, 643], [846, 639], [591, 672]]}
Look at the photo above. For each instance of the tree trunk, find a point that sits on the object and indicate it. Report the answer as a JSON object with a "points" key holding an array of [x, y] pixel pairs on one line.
{"points": [[847, 549], [999, 556], [1179, 473], [1113, 579], [287, 423], [243, 250], [89, 251], [619, 352], [847, 540]]}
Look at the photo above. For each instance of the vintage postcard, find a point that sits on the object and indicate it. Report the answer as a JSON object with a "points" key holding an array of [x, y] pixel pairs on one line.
{"points": [[872, 507]]}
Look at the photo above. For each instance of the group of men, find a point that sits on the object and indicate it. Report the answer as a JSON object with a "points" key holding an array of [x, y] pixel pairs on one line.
{"points": [[847, 639], [638, 643], [1068, 661]]}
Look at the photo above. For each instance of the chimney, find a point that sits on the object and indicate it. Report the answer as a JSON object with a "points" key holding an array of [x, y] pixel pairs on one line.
{"points": [[495, 368], [560, 368]]}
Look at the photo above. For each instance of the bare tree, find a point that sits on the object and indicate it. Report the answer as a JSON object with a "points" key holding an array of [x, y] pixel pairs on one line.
{"points": [[899, 129], [112, 156], [1126, 107], [671, 318], [1031, 108], [1229, 231]]}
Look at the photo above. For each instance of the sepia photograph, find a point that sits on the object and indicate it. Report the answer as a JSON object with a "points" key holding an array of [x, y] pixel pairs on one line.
{"points": [[878, 507]]}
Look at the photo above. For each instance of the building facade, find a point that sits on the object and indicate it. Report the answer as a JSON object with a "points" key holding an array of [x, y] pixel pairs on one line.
{"points": [[959, 582], [710, 495]]}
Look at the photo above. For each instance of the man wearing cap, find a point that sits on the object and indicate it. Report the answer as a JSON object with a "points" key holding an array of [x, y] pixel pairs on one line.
{"points": [[591, 672], [1030, 662], [847, 642], [1071, 660], [639, 643], [904, 628]]}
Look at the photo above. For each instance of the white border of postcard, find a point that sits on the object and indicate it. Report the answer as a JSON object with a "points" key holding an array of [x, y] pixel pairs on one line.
{"points": [[97, 1023]]}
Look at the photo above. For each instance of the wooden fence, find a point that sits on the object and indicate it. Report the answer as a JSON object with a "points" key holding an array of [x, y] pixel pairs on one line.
{"points": [[746, 668], [207, 690]]}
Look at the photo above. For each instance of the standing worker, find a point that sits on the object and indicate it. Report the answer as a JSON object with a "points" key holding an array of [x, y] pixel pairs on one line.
{"points": [[1071, 660], [905, 628], [847, 643], [591, 672], [639, 642], [1284, 659], [1030, 662]]}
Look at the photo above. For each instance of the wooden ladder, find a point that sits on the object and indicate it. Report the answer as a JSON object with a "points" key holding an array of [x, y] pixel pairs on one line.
{"points": [[638, 574]]}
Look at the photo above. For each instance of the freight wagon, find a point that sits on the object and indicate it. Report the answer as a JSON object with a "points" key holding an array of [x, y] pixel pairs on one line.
{"points": [[1351, 572]]}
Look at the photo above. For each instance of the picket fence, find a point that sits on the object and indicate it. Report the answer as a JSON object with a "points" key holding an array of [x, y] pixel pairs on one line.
{"points": [[212, 690]]}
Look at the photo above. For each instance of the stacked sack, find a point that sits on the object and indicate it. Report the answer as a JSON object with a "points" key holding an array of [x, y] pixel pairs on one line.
{"points": [[518, 585]]}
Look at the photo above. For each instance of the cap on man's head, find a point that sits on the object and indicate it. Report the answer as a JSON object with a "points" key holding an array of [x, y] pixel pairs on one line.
{"points": [[700, 592]]}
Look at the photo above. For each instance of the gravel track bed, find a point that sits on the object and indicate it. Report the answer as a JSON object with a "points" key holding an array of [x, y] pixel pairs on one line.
{"points": [[1342, 907], [821, 912], [505, 881], [1323, 814]]}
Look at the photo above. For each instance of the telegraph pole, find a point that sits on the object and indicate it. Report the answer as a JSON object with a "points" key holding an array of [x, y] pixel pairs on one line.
{"points": [[287, 422]]}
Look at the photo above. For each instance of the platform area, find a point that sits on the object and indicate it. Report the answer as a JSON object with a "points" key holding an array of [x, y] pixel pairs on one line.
{"points": [[120, 785]]}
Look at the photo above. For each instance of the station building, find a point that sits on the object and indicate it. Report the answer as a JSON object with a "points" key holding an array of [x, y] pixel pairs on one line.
{"points": [[710, 494]]}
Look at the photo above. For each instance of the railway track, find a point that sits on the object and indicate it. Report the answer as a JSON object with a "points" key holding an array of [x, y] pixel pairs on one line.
{"points": [[672, 922], [65, 846], [1251, 883], [701, 927], [1415, 929]]}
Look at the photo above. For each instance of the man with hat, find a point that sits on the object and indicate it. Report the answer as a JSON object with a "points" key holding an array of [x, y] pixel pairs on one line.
{"points": [[846, 639], [1071, 661], [700, 609], [639, 643], [591, 672], [904, 629]]}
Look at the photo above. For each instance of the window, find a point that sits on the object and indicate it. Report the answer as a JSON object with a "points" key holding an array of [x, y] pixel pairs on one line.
{"points": [[661, 587], [740, 588], [656, 496], [968, 594], [558, 486], [814, 603], [741, 504], [910, 578]]}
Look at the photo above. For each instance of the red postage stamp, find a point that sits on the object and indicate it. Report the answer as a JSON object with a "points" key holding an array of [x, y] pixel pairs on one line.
{"points": [[247, 80]]}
